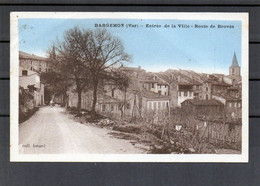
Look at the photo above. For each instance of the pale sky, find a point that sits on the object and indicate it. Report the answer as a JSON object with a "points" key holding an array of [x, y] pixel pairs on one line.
{"points": [[208, 50]]}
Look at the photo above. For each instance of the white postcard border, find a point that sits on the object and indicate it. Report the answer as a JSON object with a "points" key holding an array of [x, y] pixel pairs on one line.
{"points": [[14, 84]]}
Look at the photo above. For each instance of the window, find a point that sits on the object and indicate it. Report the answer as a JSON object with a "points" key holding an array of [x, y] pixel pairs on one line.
{"points": [[207, 97], [238, 105], [31, 68], [112, 107], [159, 105], [152, 85], [24, 73], [207, 89], [235, 104], [230, 105], [128, 105], [165, 86], [165, 93], [154, 105], [163, 105], [167, 105], [185, 94], [159, 92], [179, 93]]}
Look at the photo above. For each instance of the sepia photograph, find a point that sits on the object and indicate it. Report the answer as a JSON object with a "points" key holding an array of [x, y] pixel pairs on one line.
{"points": [[129, 87]]}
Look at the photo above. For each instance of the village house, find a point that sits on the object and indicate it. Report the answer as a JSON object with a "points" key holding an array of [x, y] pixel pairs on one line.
{"points": [[232, 101], [154, 101], [194, 80], [234, 107], [226, 89], [30, 67], [213, 87], [203, 107], [145, 92], [30, 80], [148, 80], [185, 91], [182, 86], [155, 91], [118, 102], [33, 62], [133, 101], [213, 83], [155, 84]]}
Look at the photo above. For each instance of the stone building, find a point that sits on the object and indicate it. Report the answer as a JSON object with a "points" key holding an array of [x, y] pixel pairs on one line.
{"points": [[30, 67], [145, 92], [182, 85], [33, 62], [27, 79], [203, 107], [152, 82], [185, 91]]}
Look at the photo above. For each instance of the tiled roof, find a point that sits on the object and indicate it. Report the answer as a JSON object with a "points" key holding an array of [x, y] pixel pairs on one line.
{"points": [[152, 95], [228, 96], [25, 55], [131, 68], [181, 77], [220, 83], [218, 75], [165, 77]]}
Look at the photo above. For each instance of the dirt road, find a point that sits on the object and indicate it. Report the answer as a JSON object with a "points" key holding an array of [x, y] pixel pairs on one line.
{"points": [[51, 131]]}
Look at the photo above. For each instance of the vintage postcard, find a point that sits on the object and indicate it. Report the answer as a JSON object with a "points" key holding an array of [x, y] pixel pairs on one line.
{"points": [[129, 87]]}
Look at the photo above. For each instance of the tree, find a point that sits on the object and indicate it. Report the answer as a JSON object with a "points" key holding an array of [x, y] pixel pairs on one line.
{"points": [[103, 53], [118, 79], [69, 61], [56, 82], [87, 57]]}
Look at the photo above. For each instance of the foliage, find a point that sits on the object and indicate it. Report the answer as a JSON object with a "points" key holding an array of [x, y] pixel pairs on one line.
{"points": [[87, 58], [26, 104]]}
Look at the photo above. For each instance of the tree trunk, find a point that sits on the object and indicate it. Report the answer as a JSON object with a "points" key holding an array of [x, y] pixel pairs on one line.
{"points": [[93, 111], [79, 102], [124, 103], [64, 99]]}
